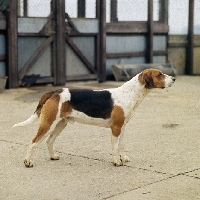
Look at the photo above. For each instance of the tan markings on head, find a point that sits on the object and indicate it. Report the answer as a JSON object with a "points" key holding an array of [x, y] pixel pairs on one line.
{"points": [[48, 116], [152, 78], [65, 110], [117, 120]]}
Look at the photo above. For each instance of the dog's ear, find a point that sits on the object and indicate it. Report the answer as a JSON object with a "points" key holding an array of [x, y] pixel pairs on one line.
{"points": [[148, 81]]}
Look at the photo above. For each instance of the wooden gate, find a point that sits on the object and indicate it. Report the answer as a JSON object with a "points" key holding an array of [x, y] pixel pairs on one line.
{"points": [[56, 48], [50, 50]]}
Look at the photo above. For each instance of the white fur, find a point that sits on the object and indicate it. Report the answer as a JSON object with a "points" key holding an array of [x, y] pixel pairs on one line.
{"points": [[64, 96], [30, 120], [168, 81], [84, 119], [128, 96]]}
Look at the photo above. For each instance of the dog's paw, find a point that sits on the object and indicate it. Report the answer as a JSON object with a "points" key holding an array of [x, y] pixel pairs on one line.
{"points": [[28, 163], [117, 162], [55, 157], [125, 158]]}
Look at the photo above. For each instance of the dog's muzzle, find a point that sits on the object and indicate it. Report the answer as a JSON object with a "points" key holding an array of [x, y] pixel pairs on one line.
{"points": [[169, 81]]}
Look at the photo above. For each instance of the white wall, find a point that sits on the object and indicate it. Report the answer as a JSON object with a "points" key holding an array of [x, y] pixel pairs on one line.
{"points": [[178, 17]]}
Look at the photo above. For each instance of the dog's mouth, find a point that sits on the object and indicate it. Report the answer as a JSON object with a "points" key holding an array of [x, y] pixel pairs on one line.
{"points": [[170, 84]]}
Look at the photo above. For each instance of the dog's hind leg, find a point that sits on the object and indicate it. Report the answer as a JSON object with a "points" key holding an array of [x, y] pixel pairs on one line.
{"points": [[48, 117], [52, 137], [27, 161], [43, 129]]}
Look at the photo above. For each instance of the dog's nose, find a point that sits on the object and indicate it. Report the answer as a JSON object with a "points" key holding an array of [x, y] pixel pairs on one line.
{"points": [[173, 79]]}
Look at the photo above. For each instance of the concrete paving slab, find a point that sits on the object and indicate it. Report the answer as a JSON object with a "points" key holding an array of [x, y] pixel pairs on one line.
{"points": [[195, 173], [162, 140], [176, 188], [72, 177]]}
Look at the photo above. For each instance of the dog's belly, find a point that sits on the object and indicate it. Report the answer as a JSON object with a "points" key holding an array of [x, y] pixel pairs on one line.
{"points": [[82, 118]]}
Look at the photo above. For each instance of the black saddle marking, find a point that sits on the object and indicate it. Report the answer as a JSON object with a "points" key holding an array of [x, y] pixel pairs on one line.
{"points": [[97, 104]]}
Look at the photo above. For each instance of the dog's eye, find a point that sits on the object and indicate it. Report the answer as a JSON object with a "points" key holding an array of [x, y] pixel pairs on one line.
{"points": [[159, 75]]}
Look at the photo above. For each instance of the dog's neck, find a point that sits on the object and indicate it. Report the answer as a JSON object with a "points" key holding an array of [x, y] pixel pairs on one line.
{"points": [[134, 86], [133, 92]]}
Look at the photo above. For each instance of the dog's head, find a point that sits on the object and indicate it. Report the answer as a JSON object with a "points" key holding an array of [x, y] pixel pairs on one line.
{"points": [[153, 78]]}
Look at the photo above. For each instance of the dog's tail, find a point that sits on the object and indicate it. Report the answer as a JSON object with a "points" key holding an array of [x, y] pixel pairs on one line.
{"points": [[37, 112], [30, 120]]}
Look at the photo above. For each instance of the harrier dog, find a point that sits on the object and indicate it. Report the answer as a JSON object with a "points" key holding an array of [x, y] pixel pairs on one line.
{"points": [[110, 108]]}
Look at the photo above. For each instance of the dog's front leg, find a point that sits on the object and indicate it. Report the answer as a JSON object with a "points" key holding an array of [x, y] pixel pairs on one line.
{"points": [[115, 151], [118, 155], [124, 158]]}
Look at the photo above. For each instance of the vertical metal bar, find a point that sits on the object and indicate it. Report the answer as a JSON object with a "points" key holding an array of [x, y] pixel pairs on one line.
{"points": [[53, 49], [163, 18], [60, 42], [163, 11], [97, 9], [81, 8], [190, 45], [97, 39], [25, 8], [102, 45], [19, 9], [113, 11], [150, 32], [96, 54], [12, 44]]}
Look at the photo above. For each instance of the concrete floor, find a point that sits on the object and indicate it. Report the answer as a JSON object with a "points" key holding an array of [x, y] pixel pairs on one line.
{"points": [[162, 141]]}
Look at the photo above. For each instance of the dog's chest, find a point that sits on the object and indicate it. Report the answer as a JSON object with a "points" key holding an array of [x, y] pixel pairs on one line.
{"points": [[128, 99]]}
